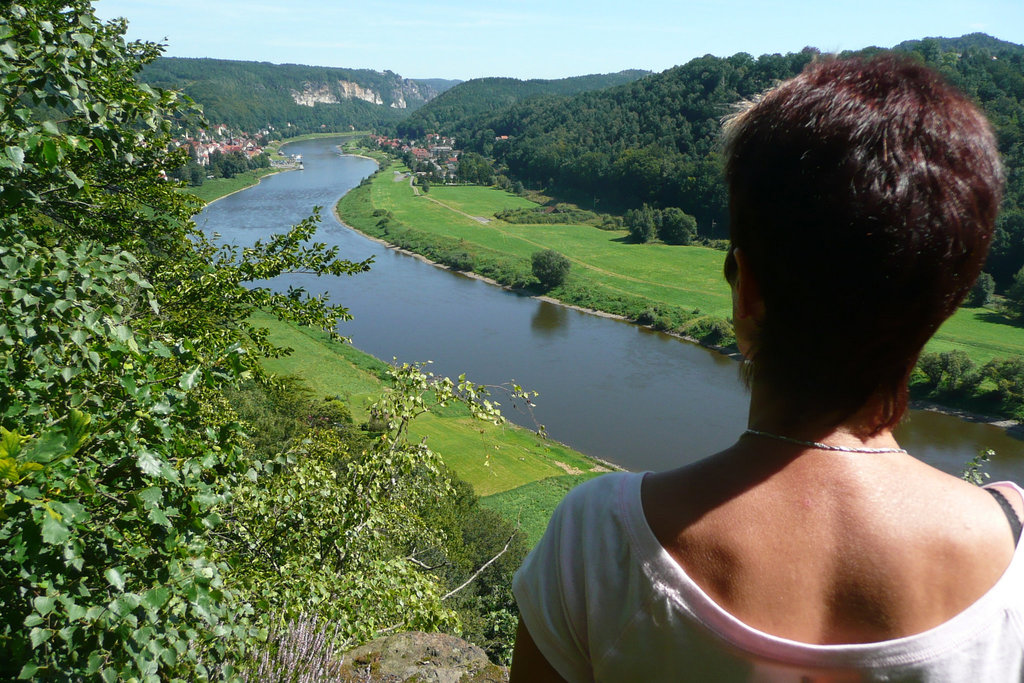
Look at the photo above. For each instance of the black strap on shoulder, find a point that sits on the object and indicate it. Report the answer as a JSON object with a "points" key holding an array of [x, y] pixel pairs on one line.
{"points": [[1011, 514]]}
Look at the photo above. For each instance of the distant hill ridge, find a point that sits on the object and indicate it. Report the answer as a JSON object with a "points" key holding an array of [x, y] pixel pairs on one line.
{"points": [[976, 41], [484, 95], [294, 98], [254, 95]]}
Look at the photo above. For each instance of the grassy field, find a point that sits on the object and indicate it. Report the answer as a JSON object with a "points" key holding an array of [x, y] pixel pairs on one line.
{"points": [[617, 276], [687, 277], [215, 188], [984, 334], [491, 458], [532, 504]]}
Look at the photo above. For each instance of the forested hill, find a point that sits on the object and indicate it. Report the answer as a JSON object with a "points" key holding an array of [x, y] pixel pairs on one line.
{"points": [[649, 141], [971, 41], [655, 140], [254, 95], [481, 96]]}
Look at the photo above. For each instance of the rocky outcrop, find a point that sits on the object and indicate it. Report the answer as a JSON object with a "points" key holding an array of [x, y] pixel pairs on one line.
{"points": [[310, 95], [409, 91], [351, 90], [400, 94], [416, 656]]}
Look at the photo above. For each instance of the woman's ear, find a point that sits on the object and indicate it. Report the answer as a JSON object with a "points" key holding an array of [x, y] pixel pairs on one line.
{"points": [[747, 301]]}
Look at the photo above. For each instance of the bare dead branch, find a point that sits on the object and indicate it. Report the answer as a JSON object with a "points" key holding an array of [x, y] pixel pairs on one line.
{"points": [[486, 564]]}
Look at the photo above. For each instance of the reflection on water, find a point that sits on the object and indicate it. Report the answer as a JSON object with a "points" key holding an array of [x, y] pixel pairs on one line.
{"points": [[948, 443], [550, 319], [635, 397]]}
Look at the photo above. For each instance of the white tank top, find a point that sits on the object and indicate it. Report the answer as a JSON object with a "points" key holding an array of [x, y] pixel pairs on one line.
{"points": [[605, 601]]}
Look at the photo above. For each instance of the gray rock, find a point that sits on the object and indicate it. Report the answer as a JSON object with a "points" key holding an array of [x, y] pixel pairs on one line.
{"points": [[421, 657]]}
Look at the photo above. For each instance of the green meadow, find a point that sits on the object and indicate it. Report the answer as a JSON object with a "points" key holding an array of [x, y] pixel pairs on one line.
{"points": [[531, 504], [215, 188], [983, 333], [603, 260]]}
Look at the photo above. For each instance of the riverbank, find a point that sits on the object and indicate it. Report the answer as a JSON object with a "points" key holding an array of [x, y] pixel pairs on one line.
{"points": [[677, 290], [213, 189], [730, 352], [667, 288], [492, 458]]}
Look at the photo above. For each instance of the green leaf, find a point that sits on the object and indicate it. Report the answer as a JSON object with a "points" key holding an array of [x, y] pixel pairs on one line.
{"points": [[16, 155], [76, 612], [38, 636], [44, 605], [50, 153], [47, 447], [155, 598], [28, 671], [153, 495], [54, 531], [10, 443], [114, 578], [149, 463], [189, 379], [83, 39], [158, 516]]}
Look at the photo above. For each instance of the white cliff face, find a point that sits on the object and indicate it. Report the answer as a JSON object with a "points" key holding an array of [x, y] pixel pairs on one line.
{"points": [[322, 94], [350, 90], [403, 92], [310, 95]]}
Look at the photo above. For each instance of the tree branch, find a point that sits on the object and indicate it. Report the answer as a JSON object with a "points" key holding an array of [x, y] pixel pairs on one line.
{"points": [[486, 564]]}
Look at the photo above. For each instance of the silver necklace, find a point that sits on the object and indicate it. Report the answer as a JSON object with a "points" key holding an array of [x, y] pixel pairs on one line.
{"points": [[823, 446]]}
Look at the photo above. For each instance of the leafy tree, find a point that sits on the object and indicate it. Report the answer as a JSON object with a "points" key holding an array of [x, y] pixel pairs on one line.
{"points": [[550, 267], [677, 227], [1007, 374], [641, 223], [1015, 294], [982, 292], [134, 527], [950, 372], [474, 168]]}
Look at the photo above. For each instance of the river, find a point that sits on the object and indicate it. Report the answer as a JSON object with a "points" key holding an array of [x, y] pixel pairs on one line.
{"points": [[640, 399]]}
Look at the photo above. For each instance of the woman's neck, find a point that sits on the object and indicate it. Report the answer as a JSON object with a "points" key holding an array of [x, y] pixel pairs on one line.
{"points": [[772, 414]]}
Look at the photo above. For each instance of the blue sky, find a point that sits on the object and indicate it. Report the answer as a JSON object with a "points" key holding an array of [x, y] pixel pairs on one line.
{"points": [[542, 39]]}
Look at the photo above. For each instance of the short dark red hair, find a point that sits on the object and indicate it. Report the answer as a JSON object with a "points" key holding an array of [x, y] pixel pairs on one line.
{"points": [[864, 195]]}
